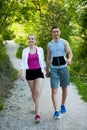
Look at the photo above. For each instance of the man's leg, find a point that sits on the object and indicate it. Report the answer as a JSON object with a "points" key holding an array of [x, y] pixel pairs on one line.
{"points": [[55, 98], [55, 102], [54, 86], [64, 94], [64, 82]]}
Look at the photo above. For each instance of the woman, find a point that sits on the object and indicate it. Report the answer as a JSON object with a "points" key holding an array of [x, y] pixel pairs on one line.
{"points": [[34, 65]]}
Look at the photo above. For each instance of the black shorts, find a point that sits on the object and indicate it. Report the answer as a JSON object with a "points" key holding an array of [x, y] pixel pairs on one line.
{"points": [[34, 74]]}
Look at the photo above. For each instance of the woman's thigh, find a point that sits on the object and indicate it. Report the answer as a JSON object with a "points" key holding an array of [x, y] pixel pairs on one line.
{"points": [[38, 84], [31, 84]]}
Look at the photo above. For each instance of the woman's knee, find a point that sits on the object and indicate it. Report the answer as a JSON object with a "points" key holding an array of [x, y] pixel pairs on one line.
{"points": [[37, 93]]}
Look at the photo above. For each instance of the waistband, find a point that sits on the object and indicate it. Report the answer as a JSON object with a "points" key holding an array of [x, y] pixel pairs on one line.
{"points": [[57, 61]]}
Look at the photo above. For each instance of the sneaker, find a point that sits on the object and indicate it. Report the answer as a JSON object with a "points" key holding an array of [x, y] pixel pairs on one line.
{"points": [[63, 109], [37, 119], [56, 115]]}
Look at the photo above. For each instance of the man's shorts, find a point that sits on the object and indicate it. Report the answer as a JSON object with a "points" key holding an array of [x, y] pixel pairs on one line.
{"points": [[34, 74], [59, 75]]}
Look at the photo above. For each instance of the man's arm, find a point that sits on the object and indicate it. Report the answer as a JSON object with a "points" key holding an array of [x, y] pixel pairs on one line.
{"points": [[69, 52]]}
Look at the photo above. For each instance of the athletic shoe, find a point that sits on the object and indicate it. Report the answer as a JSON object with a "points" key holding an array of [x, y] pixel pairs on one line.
{"points": [[63, 109], [56, 115], [37, 118]]}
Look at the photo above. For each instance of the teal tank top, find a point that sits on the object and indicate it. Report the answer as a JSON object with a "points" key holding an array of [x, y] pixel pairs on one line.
{"points": [[57, 48]]}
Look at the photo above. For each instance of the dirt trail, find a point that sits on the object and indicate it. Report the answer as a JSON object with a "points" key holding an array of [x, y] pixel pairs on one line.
{"points": [[19, 116]]}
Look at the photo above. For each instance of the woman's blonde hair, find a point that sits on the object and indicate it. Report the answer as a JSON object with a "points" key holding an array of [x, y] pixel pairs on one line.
{"points": [[31, 35]]}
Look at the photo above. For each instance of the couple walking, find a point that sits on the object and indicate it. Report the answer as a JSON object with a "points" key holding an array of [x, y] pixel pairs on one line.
{"points": [[33, 66]]}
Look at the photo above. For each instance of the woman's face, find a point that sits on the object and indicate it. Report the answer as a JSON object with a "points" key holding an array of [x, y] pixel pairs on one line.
{"points": [[31, 40]]}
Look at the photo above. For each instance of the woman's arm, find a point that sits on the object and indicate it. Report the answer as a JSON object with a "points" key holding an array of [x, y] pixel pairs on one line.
{"points": [[22, 71]]}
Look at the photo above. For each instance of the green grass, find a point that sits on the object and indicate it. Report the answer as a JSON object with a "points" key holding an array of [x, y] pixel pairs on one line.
{"points": [[7, 76], [2, 105], [81, 84]]}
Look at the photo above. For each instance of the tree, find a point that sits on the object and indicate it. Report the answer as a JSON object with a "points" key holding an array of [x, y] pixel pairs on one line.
{"points": [[54, 14]]}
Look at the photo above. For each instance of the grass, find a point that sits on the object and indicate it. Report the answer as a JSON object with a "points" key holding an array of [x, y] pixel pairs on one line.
{"points": [[7, 76], [81, 84], [2, 105]]}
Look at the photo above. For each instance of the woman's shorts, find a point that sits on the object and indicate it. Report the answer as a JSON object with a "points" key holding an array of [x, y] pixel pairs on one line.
{"points": [[34, 74], [59, 75]]}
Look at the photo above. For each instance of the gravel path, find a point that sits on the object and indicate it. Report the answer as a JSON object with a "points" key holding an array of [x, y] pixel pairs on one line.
{"points": [[19, 116]]}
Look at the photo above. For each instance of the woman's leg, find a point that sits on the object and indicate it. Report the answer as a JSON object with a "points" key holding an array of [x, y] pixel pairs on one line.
{"points": [[37, 94], [31, 84]]}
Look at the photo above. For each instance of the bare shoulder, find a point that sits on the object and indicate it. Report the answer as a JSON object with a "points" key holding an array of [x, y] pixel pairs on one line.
{"points": [[66, 43]]}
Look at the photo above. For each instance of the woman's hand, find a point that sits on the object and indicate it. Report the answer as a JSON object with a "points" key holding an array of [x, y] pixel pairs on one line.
{"points": [[22, 76], [47, 73]]}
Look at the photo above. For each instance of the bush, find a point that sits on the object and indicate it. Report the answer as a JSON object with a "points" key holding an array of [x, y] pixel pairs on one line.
{"points": [[7, 75]]}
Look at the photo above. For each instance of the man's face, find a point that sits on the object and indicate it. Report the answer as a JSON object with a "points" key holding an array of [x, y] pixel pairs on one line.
{"points": [[56, 33]]}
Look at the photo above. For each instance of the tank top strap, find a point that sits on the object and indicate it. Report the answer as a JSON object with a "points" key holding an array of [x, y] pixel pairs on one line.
{"points": [[36, 50]]}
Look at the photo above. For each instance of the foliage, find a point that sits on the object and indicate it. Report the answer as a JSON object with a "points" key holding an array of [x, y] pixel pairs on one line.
{"points": [[7, 75], [79, 62], [6, 14], [2, 105], [55, 14], [19, 52], [3, 56], [83, 24]]}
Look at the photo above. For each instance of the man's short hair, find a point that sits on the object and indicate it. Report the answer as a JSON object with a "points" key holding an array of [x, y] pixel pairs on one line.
{"points": [[54, 27]]}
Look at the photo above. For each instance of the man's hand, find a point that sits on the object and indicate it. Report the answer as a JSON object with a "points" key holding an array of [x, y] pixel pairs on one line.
{"points": [[47, 74], [69, 61]]}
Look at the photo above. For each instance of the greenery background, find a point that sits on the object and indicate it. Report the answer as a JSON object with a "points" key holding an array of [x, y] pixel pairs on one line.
{"points": [[18, 18]]}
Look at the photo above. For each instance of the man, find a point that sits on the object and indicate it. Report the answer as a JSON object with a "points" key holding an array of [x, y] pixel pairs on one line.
{"points": [[57, 69]]}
